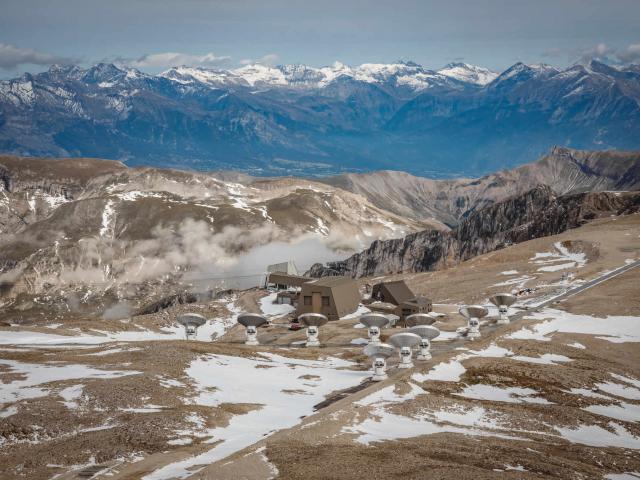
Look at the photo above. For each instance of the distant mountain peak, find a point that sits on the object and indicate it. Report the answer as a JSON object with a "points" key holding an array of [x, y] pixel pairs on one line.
{"points": [[465, 72]]}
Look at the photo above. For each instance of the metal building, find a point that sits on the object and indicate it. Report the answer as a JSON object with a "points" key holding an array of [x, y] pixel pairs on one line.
{"points": [[333, 297]]}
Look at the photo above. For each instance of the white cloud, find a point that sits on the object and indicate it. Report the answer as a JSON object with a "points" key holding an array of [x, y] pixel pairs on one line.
{"points": [[12, 56], [630, 55], [270, 60], [605, 53], [175, 59], [601, 51]]}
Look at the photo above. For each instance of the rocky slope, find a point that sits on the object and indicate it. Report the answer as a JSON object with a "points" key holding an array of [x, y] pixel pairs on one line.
{"points": [[536, 213], [564, 170], [99, 229]]}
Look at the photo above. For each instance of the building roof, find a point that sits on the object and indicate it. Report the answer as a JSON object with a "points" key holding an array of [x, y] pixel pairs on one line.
{"points": [[397, 289], [343, 290], [288, 280], [417, 301]]}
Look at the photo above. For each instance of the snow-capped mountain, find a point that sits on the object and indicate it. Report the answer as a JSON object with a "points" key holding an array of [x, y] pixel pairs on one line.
{"points": [[468, 73], [298, 119], [401, 74]]}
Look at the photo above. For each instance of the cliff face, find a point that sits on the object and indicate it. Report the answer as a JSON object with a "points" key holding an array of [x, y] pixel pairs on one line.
{"points": [[537, 213]]}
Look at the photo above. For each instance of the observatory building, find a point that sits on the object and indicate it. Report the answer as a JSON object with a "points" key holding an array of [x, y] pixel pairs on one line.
{"points": [[285, 267], [334, 297], [399, 294], [284, 281], [415, 305], [396, 292]]}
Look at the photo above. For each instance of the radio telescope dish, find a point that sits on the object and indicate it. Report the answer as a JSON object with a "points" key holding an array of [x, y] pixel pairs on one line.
{"points": [[473, 313], [378, 353], [393, 319], [251, 322], [427, 333], [382, 350], [374, 322], [251, 319], [419, 319], [191, 322], [313, 321], [503, 301], [405, 341]]}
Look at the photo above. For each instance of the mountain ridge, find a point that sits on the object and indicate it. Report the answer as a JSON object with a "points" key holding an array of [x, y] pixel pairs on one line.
{"points": [[297, 120], [537, 213]]}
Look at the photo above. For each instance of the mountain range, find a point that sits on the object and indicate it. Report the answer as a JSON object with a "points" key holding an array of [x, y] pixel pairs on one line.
{"points": [[306, 121]]}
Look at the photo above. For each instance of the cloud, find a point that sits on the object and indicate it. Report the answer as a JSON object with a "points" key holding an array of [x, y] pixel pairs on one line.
{"points": [[601, 52], [12, 57], [630, 54], [270, 60], [175, 59]]}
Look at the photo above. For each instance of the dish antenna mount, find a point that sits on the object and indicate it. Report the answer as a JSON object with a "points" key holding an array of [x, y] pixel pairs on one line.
{"points": [[473, 314], [378, 353], [191, 322], [313, 321], [251, 322], [374, 322], [419, 319], [503, 301], [405, 341], [426, 333]]}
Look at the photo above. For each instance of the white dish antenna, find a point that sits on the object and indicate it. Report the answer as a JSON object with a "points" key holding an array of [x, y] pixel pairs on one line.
{"points": [[419, 319], [251, 321], [405, 341], [378, 353], [393, 319], [313, 321], [503, 301], [374, 322], [191, 322], [473, 314], [426, 333]]}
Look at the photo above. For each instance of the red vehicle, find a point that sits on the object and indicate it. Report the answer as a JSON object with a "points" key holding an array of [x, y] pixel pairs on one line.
{"points": [[295, 325]]}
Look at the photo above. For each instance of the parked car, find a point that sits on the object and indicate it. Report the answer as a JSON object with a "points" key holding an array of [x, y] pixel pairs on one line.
{"points": [[295, 325]]}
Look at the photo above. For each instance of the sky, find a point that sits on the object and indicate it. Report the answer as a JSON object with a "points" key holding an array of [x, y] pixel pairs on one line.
{"points": [[154, 35]]}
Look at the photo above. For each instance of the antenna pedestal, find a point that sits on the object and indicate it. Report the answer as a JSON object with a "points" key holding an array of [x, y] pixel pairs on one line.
{"points": [[374, 335], [474, 329], [252, 336], [379, 370], [503, 319], [425, 350], [312, 337], [191, 332], [405, 358]]}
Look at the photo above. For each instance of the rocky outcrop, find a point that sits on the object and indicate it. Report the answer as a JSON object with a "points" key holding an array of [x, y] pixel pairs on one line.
{"points": [[537, 213]]}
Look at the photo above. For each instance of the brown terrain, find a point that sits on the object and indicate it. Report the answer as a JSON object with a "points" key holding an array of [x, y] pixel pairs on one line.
{"points": [[129, 426]]}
